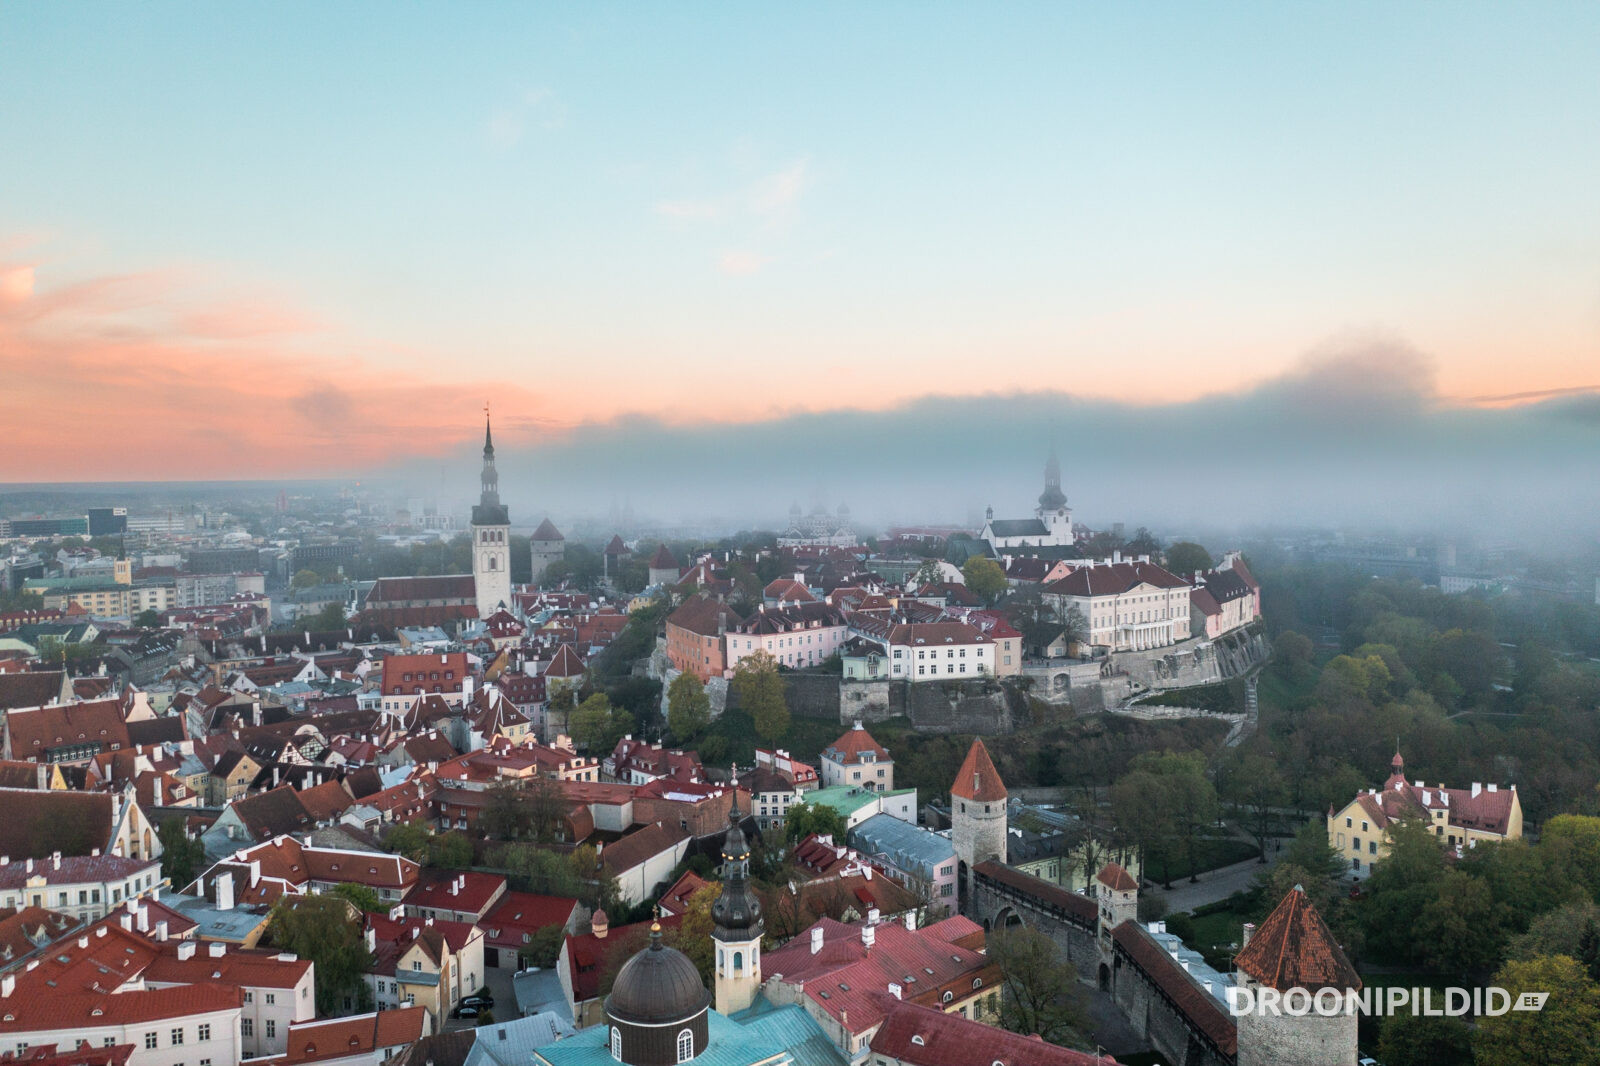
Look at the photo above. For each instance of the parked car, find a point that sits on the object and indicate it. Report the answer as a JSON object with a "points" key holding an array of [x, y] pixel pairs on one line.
{"points": [[465, 1012], [478, 999]]}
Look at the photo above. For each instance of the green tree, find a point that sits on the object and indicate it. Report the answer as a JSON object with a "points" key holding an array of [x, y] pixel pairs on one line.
{"points": [[1562, 1033], [688, 707], [929, 573], [365, 899], [1572, 930], [410, 839], [305, 579], [536, 869], [591, 723], [1143, 542], [760, 690], [1041, 992], [319, 928], [147, 620], [985, 577], [1185, 557], [507, 815], [1256, 788], [330, 618], [182, 857], [1420, 1040], [803, 819], [597, 888], [450, 851], [20, 601]]}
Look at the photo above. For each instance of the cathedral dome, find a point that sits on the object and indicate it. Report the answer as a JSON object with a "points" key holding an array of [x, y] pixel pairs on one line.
{"points": [[658, 986], [658, 1010]]}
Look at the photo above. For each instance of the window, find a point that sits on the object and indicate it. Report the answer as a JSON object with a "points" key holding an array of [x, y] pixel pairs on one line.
{"points": [[416, 965], [685, 1045], [271, 998], [247, 1027], [616, 1043], [204, 1033], [249, 997], [150, 1040], [177, 1037], [947, 997], [272, 1028], [1372, 847]]}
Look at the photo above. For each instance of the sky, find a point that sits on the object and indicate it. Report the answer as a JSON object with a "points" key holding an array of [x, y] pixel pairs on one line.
{"points": [[298, 240]]}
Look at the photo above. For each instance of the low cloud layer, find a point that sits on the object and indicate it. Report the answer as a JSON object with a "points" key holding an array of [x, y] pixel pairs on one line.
{"points": [[1352, 437]]}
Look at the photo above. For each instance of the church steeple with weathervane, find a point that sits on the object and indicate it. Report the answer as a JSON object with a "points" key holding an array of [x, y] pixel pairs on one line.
{"points": [[736, 917], [1053, 510], [491, 535]]}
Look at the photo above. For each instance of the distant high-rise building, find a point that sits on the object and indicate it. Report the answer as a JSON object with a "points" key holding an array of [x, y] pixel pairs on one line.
{"points": [[107, 521]]}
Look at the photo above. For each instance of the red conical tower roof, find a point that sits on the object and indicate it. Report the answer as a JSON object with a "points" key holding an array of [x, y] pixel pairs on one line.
{"points": [[978, 779], [1294, 949]]}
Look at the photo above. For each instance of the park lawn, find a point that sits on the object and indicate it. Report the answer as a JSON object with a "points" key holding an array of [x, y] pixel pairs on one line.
{"points": [[1224, 698], [1215, 935]]}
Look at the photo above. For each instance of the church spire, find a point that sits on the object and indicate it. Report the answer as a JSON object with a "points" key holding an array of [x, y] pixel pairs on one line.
{"points": [[1052, 498], [488, 437]]}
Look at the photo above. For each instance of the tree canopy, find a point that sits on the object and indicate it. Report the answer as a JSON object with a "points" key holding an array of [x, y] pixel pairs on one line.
{"points": [[760, 690], [688, 707]]}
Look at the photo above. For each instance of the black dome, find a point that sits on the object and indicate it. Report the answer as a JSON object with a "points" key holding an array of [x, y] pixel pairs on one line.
{"points": [[657, 986]]}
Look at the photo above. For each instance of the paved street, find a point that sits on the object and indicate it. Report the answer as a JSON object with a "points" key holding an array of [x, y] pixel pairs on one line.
{"points": [[1216, 885]]}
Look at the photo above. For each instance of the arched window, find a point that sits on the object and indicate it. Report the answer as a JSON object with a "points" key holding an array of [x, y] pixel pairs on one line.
{"points": [[616, 1043], [685, 1045], [977, 982], [947, 997], [738, 962]]}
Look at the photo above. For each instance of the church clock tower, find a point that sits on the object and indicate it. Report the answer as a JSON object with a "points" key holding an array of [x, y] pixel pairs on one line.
{"points": [[491, 537], [736, 917]]}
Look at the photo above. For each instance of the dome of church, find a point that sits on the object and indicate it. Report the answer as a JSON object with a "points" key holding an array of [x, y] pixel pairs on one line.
{"points": [[658, 986]]}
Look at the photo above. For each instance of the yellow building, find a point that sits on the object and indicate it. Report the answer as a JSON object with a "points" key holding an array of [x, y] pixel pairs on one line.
{"points": [[1459, 817]]}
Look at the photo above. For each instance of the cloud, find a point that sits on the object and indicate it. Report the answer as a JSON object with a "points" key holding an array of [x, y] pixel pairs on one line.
{"points": [[1381, 450], [737, 264], [778, 192], [767, 199], [536, 107], [16, 284], [179, 381]]}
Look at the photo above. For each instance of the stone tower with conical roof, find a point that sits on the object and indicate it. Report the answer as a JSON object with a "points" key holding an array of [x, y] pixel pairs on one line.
{"points": [[1294, 950], [737, 923], [977, 815], [491, 537]]}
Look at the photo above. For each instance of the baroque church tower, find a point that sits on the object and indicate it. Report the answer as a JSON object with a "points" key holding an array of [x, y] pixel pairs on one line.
{"points": [[491, 537], [736, 917], [1053, 510]]}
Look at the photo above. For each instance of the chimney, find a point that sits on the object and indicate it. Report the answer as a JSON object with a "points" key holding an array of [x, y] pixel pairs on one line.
{"points": [[1493, 787], [255, 872], [141, 919], [894, 990], [8, 985], [1249, 931], [216, 949], [416, 931], [186, 949], [872, 912], [372, 939], [161, 935], [868, 935], [911, 921], [224, 884], [55, 859], [816, 939], [28, 866], [1477, 787], [126, 921]]}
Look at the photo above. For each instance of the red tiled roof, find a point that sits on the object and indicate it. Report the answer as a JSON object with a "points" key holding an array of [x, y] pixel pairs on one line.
{"points": [[1116, 878], [587, 953], [1111, 579], [703, 615], [675, 900], [433, 890], [1294, 949], [1080, 908], [567, 663], [663, 559], [521, 914], [978, 779], [338, 1038], [1198, 1006], [38, 823], [641, 845], [547, 531], [849, 747], [35, 732], [914, 1035]]}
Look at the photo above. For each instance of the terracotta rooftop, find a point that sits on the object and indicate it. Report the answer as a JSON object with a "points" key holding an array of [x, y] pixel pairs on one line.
{"points": [[1117, 879], [1294, 949], [978, 779]]}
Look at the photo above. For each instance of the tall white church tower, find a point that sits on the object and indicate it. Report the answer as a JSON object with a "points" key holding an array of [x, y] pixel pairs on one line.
{"points": [[491, 538], [737, 926]]}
